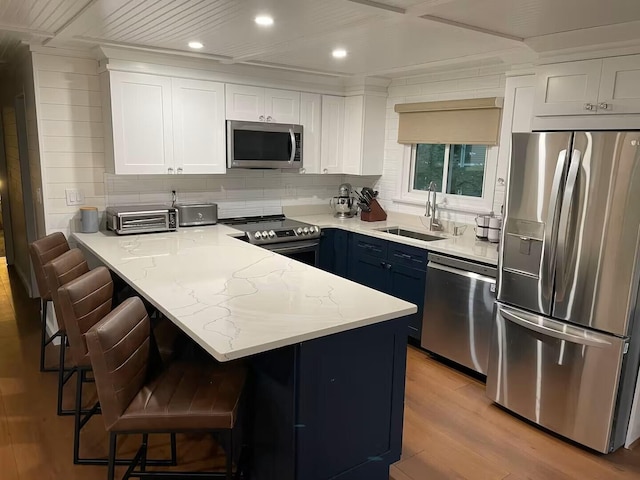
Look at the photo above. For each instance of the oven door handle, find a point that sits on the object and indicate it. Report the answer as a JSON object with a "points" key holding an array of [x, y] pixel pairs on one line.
{"points": [[293, 249]]}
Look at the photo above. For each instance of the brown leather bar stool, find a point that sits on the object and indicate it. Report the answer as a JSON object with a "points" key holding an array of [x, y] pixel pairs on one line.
{"points": [[81, 303], [42, 251], [63, 269], [184, 397]]}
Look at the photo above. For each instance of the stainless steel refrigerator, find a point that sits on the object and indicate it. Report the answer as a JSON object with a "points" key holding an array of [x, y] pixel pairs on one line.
{"points": [[564, 349]]}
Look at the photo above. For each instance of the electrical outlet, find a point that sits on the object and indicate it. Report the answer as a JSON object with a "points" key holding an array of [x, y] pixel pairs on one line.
{"points": [[74, 196]]}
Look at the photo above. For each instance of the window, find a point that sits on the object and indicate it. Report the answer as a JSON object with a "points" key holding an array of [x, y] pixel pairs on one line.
{"points": [[455, 169]]}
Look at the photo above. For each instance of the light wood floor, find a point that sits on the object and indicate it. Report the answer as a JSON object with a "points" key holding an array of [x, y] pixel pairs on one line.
{"points": [[451, 430]]}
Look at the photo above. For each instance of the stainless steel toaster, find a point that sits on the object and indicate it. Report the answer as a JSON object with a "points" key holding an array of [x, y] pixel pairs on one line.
{"points": [[197, 214], [141, 219]]}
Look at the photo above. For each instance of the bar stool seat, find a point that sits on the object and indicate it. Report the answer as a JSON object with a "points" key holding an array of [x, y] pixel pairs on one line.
{"points": [[186, 397]]}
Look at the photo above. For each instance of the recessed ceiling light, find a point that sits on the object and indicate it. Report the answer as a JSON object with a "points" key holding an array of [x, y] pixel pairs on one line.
{"points": [[264, 20], [339, 53], [196, 45]]}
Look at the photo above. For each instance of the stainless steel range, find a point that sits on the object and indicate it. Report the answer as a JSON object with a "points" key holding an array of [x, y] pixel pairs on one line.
{"points": [[279, 234]]}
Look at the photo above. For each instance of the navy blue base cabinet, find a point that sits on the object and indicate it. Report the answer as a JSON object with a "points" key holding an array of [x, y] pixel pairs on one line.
{"points": [[393, 268], [330, 408], [334, 246]]}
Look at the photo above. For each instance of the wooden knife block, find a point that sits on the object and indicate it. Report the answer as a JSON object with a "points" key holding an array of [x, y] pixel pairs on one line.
{"points": [[377, 213]]}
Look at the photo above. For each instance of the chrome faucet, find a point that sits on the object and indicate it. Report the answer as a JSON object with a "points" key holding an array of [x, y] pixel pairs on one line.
{"points": [[432, 212]]}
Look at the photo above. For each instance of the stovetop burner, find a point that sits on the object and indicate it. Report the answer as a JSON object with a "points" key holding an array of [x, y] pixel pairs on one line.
{"points": [[267, 229]]}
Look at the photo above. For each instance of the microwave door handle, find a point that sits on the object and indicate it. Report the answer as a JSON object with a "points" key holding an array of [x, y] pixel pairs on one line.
{"points": [[293, 146]]}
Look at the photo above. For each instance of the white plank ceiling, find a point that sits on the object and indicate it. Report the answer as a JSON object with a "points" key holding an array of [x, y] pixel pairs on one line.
{"points": [[385, 37]]}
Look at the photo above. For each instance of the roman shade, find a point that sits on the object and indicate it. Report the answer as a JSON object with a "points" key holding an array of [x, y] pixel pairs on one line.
{"points": [[467, 122]]}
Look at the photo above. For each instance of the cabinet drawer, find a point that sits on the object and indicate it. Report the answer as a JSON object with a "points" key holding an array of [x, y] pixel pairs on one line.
{"points": [[363, 245], [408, 256]]}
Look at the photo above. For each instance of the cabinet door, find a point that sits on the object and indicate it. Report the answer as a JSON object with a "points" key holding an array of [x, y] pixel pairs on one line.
{"points": [[310, 119], [341, 253], [282, 106], [369, 271], [198, 126], [142, 123], [353, 131], [332, 134], [568, 88], [620, 85], [409, 284], [245, 103], [326, 259]]}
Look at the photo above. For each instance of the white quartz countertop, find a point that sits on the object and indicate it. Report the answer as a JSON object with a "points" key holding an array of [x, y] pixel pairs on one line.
{"points": [[464, 246], [235, 299]]}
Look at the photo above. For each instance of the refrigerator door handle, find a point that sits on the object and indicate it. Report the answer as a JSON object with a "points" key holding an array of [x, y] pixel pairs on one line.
{"points": [[563, 228], [552, 332], [550, 232]]}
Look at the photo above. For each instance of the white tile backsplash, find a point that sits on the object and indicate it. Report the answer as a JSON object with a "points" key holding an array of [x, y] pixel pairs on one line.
{"points": [[239, 193]]}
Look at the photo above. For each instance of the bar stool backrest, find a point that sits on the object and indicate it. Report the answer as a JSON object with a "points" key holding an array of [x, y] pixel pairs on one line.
{"points": [[42, 251], [61, 270], [83, 302], [119, 346]]}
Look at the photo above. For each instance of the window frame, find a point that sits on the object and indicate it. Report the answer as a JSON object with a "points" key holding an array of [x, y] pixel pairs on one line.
{"points": [[449, 201]]}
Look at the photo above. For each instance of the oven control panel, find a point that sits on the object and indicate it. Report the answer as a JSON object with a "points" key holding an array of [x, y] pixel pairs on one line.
{"points": [[284, 235]]}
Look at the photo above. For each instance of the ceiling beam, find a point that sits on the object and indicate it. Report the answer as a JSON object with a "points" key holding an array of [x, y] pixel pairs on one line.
{"points": [[380, 6], [29, 31], [473, 28], [426, 7], [63, 29]]}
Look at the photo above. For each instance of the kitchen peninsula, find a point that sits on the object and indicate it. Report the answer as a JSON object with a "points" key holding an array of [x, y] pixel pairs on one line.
{"points": [[328, 355]]}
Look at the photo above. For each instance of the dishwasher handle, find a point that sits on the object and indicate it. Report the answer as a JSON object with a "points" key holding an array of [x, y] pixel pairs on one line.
{"points": [[463, 273]]}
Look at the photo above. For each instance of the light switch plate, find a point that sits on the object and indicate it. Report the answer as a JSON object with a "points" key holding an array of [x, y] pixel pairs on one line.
{"points": [[74, 196]]}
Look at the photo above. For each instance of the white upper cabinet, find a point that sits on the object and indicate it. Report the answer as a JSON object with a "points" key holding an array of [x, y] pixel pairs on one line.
{"points": [[256, 104], [568, 88], [332, 136], [364, 135], [198, 126], [310, 119], [163, 125], [620, 85], [141, 122], [282, 106], [590, 87], [245, 103]]}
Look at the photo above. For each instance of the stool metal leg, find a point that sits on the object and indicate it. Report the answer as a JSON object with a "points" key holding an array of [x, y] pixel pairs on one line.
{"points": [[111, 466], [44, 341], [64, 375]]}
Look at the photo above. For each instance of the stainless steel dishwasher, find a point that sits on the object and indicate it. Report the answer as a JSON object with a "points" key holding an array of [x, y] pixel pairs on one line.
{"points": [[458, 311]]}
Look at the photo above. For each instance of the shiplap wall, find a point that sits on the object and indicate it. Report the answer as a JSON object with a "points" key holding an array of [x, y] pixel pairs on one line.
{"points": [[454, 85], [72, 156], [71, 135]]}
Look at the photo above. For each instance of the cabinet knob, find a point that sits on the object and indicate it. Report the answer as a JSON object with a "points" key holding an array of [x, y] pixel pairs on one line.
{"points": [[269, 119], [603, 106], [261, 118], [589, 106], [325, 171], [179, 169], [169, 170], [303, 170]]}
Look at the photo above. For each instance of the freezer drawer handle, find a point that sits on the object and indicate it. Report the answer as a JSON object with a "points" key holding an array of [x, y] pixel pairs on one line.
{"points": [[550, 332]]}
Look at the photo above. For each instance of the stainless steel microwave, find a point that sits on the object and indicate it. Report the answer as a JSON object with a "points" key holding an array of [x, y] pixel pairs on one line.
{"points": [[264, 145]]}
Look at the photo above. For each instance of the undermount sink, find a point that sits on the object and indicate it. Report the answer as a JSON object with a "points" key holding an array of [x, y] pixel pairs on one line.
{"points": [[408, 233]]}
